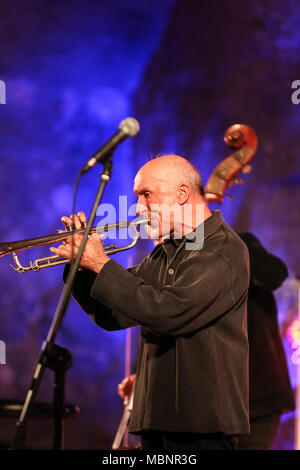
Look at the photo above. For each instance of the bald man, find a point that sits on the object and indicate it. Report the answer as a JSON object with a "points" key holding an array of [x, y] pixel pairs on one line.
{"points": [[189, 296]]}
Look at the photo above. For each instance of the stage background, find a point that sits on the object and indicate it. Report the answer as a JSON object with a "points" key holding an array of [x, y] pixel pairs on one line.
{"points": [[186, 70]]}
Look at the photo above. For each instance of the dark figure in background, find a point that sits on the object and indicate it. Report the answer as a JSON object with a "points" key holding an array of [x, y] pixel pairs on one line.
{"points": [[271, 393]]}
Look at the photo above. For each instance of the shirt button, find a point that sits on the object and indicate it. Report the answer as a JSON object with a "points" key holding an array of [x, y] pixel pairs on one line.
{"points": [[171, 271]]}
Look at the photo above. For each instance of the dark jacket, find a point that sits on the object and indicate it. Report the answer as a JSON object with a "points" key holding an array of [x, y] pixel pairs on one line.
{"points": [[192, 371], [270, 388]]}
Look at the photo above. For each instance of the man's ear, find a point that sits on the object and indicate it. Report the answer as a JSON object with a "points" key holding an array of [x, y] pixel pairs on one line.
{"points": [[183, 193]]}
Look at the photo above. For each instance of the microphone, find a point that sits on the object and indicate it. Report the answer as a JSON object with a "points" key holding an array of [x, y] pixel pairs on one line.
{"points": [[129, 127]]}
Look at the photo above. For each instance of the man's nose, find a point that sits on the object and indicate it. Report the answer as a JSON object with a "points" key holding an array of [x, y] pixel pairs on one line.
{"points": [[141, 208]]}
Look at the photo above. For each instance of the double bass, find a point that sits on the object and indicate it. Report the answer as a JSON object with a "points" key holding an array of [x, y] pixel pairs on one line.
{"points": [[243, 139]]}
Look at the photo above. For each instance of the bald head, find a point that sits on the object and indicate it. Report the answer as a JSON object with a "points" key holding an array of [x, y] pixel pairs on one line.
{"points": [[175, 170], [170, 192]]}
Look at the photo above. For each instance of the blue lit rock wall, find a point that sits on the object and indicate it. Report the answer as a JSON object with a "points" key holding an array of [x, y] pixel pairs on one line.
{"points": [[187, 70]]}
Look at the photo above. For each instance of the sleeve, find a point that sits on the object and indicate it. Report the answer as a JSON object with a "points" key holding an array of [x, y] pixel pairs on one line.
{"points": [[266, 270], [201, 293], [102, 315]]}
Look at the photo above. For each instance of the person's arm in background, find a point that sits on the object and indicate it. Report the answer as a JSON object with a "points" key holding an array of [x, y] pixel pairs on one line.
{"points": [[125, 388], [266, 270]]}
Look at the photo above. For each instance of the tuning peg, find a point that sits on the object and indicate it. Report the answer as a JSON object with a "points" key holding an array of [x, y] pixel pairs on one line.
{"points": [[247, 169], [235, 181], [238, 181]]}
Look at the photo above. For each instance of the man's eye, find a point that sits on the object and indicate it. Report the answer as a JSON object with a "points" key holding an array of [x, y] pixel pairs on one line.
{"points": [[147, 195]]}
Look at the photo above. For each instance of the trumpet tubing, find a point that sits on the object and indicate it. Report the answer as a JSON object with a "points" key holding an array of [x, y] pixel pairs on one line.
{"points": [[49, 261]]}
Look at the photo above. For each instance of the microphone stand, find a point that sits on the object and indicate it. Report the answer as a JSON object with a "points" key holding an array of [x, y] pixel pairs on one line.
{"points": [[52, 356]]}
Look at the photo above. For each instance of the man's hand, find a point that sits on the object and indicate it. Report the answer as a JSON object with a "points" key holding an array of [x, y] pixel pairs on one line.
{"points": [[93, 256], [125, 388]]}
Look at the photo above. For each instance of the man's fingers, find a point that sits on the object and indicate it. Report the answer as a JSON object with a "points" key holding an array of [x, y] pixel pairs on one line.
{"points": [[96, 238], [82, 218], [122, 394], [62, 250], [76, 221], [68, 223]]}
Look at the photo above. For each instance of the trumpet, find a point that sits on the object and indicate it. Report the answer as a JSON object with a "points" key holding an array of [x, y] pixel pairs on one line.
{"points": [[42, 263]]}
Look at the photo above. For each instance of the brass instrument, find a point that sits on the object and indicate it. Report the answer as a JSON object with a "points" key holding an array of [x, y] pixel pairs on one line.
{"points": [[56, 260]]}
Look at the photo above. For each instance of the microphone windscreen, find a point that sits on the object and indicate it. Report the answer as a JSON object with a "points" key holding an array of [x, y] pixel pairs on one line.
{"points": [[130, 126]]}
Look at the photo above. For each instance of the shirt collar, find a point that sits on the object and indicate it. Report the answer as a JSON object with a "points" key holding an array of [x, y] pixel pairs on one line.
{"points": [[211, 224]]}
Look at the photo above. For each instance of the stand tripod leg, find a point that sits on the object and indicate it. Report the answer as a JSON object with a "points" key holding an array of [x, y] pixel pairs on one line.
{"points": [[59, 405], [19, 438]]}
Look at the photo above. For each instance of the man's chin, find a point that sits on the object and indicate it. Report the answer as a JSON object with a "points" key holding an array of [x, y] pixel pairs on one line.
{"points": [[153, 232], [157, 235]]}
